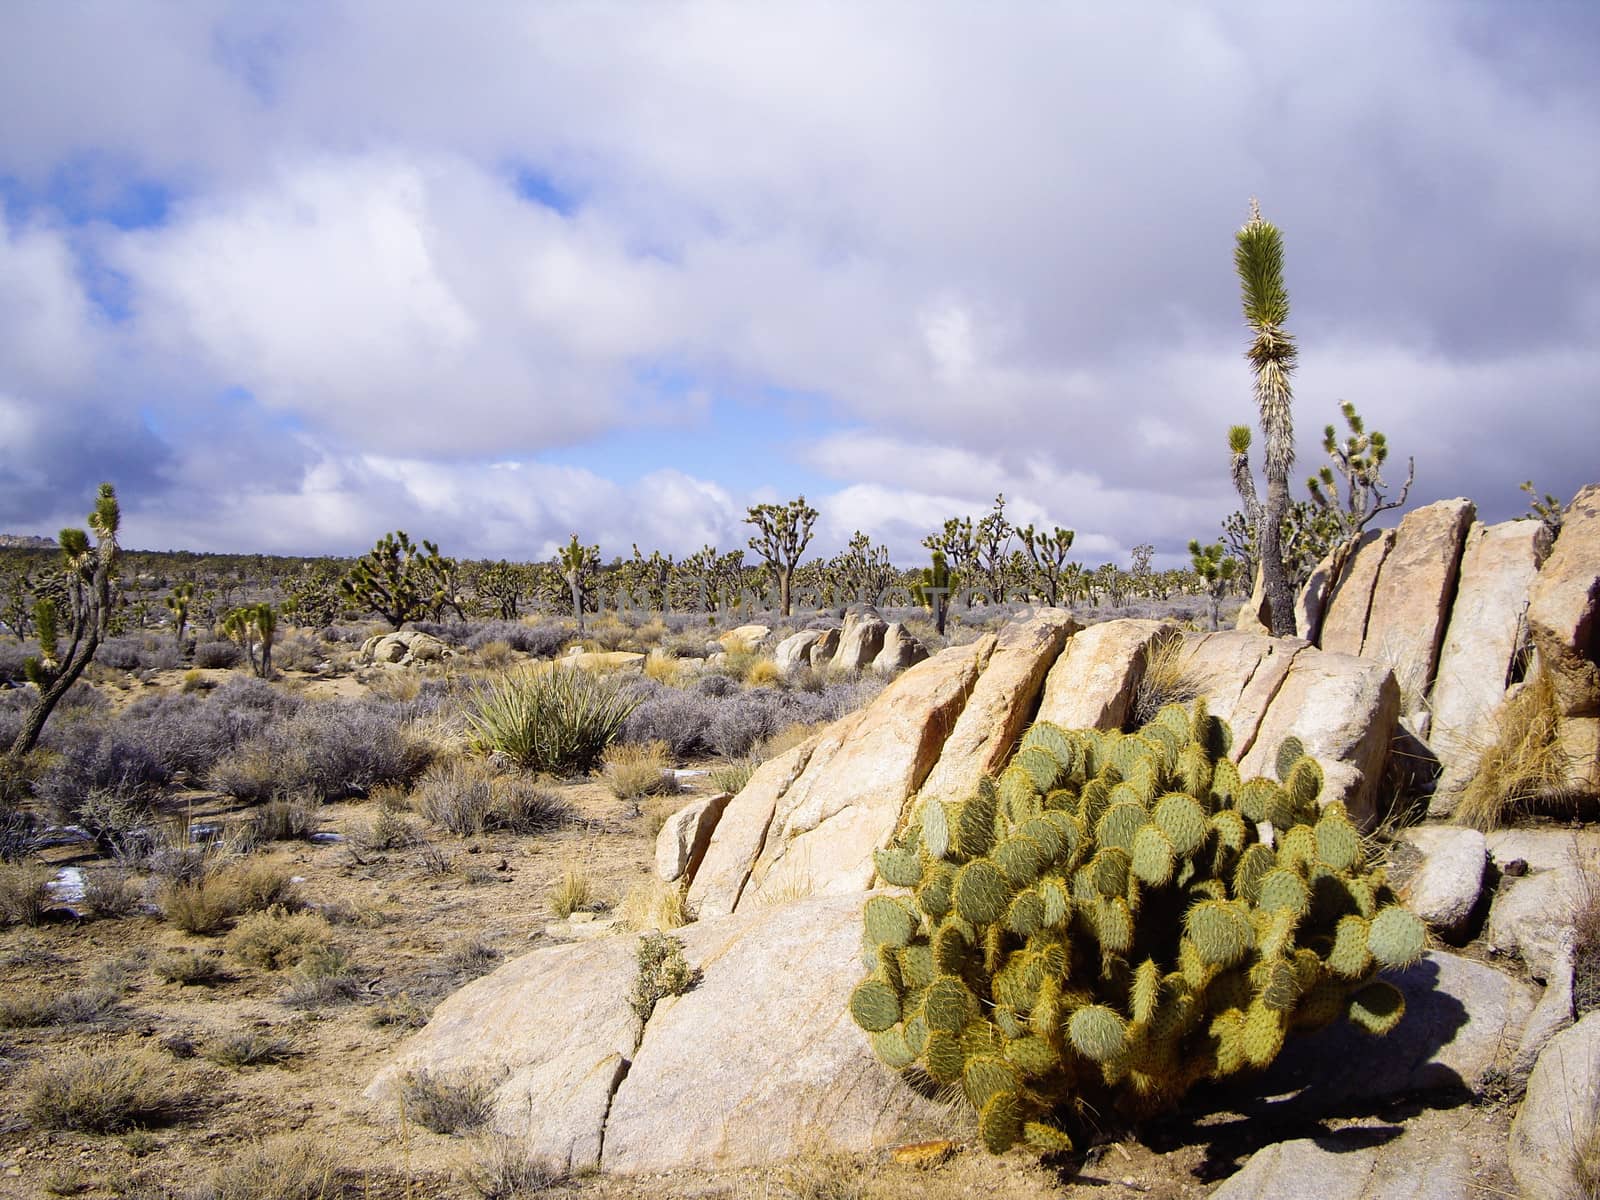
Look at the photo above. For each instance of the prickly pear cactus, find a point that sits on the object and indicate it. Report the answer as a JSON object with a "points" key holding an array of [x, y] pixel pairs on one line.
{"points": [[1104, 922]]}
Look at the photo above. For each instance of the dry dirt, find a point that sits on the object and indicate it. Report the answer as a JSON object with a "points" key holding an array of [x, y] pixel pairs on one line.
{"points": [[410, 919]]}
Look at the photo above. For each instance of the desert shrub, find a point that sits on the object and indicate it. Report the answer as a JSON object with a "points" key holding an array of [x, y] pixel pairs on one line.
{"points": [[521, 806], [401, 1011], [12, 656], [290, 1166], [276, 938], [762, 672], [495, 656], [201, 906], [121, 654], [245, 1048], [98, 757], [541, 641], [298, 652], [105, 1090], [1524, 767], [388, 830], [350, 749], [740, 724], [217, 656], [503, 1168], [24, 893], [1104, 924], [258, 771], [20, 834], [449, 1104], [573, 892], [283, 821], [680, 718], [257, 885], [456, 795], [633, 770], [551, 720], [717, 685], [661, 971], [49, 1006], [190, 968], [111, 892], [1169, 678], [685, 644], [323, 976]]}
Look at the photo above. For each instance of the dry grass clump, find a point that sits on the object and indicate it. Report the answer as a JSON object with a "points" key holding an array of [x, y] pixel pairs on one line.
{"points": [[287, 1167], [732, 776], [276, 938], [1525, 766], [633, 770], [190, 968], [762, 672], [573, 892], [283, 821], [388, 830], [495, 655], [1169, 678], [447, 1103], [663, 666], [39, 1007], [111, 892], [651, 904], [1585, 1166], [399, 1011], [504, 1168], [24, 896], [105, 1090], [209, 904], [1586, 947], [323, 976], [787, 738]]}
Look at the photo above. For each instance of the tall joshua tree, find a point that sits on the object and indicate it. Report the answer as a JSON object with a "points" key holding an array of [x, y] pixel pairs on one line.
{"points": [[782, 533], [88, 592], [577, 563], [1258, 258]]}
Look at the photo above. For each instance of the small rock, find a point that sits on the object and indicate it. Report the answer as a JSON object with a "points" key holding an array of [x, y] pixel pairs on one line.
{"points": [[1426, 1162], [684, 836], [1531, 917], [1554, 1012], [1445, 890]]}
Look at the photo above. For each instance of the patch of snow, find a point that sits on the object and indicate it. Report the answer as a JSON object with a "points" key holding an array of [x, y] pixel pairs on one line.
{"points": [[324, 839], [67, 886]]}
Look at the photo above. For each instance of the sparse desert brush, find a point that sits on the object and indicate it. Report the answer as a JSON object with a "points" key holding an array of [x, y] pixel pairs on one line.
{"points": [[283, 821], [24, 893], [104, 1090], [522, 806], [573, 892], [387, 830], [258, 885], [555, 720], [504, 1168], [1525, 766], [190, 968], [448, 1103], [208, 905], [1169, 678], [495, 655], [457, 795], [245, 1048], [468, 958], [286, 1167], [400, 1011], [257, 772], [651, 632], [111, 892], [324, 976], [651, 905], [39, 1007], [195, 681], [634, 769], [277, 938], [1586, 944], [398, 685]]}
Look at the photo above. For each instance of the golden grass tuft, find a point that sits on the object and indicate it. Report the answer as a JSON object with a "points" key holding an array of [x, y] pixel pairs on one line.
{"points": [[105, 1090], [573, 892], [1169, 678], [1525, 766], [762, 672], [788, 738], [24, 895], [633, 770], [663, 666], [277, 938], [288, 1167], [651, 904]]}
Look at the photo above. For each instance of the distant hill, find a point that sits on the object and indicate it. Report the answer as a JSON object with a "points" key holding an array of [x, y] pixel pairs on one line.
{"points": [[24, 541]]}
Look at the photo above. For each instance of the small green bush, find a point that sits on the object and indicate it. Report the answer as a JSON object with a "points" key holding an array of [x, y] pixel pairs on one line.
{"points": [[448, 1103], [276, 938], [190, 968], [662, 971], [558, 719]]}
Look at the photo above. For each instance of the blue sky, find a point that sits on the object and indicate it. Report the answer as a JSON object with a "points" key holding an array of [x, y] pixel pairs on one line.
{"points": [[295, 275]]}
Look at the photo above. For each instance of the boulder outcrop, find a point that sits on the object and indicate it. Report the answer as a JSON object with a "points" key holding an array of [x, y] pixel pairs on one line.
{"points": [[1564, 608]]}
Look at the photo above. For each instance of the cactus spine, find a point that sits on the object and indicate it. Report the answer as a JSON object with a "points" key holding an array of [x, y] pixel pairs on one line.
{"points": [[1103, 923]]}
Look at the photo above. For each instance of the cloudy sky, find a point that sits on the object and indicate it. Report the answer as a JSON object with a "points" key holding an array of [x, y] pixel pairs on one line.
{"points": [[293, 275]]}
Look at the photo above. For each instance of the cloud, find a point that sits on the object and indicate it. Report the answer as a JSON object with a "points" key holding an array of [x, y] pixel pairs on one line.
{"points": [[929, 256]]}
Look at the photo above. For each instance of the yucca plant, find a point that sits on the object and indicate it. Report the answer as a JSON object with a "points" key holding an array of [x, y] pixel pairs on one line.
{"points": [[559, 719]]}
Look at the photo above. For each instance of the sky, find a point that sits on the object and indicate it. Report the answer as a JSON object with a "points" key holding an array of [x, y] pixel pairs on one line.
{"points": [[295, 275]]}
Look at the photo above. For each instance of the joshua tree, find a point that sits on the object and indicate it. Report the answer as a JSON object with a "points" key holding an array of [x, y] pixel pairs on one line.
{"points": [[782, 533], [87, 616], [954, 543], [863, 572], [253, 625], [934, 589], [1359, 463], [1217, 569], [178, 604], [392, 579], [577, 562], [1258, 258], [991, 541]]}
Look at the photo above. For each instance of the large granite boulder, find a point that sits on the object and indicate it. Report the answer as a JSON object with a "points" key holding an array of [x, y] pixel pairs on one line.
{"points": [[1411, 599], [1564, 608], [1092, 683], [1344, 624], [741, 832], [1486, 631], [686, 834], [584, 1082], [1344, 710], [1446, 888], [861, 639], [901, 649], [1557, 1121], [1239, 674], [404, 648], [794, 652]]}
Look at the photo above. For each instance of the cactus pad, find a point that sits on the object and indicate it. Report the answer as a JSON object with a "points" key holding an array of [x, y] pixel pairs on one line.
{"points": [[1396, 938], [901, 868]]}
